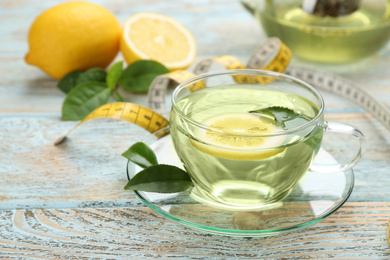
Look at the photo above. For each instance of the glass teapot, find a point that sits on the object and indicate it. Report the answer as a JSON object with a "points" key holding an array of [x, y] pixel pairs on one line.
{"points": [[325, 31]]}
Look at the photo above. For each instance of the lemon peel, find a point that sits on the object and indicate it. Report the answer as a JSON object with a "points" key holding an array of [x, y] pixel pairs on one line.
{"points": [[73, 36]]}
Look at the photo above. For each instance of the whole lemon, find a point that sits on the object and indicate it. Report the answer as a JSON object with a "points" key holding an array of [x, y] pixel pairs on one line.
{"points": [[73, 36]]}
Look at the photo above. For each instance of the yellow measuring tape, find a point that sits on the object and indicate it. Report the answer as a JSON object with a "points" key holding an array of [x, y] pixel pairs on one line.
{"points": [[272, 55], [388, 233], [133, 113]]}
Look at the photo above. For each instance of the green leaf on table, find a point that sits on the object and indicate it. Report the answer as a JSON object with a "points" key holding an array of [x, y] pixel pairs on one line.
{"points": [[138, 76], [68, 82], [141, 154], [160, 178], [280, 115], [114, 74], [83, 99], [94, 74]]}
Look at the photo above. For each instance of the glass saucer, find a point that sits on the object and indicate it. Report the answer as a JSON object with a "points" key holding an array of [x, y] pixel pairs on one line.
{"points": [[317, 196]]}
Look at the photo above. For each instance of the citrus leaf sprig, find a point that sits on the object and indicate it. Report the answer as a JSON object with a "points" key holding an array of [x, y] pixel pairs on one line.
{"points": [[155, 177], [89, 90]]}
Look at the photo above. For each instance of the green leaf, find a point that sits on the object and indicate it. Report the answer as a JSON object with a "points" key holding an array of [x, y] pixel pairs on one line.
{"points": [[139, 75], [264, 113], [68, 82], [160, 178], [280, 115], [141, 154], [114, 74], [83, 99], [94, 74], [117, 96]]}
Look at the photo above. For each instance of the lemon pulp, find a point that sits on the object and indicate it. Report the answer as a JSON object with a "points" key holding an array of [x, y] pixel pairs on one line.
{"points": [[236, 136], [157, 37]]}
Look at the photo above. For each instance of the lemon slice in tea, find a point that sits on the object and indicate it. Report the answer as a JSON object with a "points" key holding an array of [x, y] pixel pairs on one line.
{"points": [[237, 137]]}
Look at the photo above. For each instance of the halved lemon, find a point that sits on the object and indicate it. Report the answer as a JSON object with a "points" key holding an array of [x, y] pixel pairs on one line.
{"points": [[237, 137], [157, 37]]}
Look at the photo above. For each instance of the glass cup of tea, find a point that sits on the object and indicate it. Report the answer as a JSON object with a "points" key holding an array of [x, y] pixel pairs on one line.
{"points": [[246, 137]]}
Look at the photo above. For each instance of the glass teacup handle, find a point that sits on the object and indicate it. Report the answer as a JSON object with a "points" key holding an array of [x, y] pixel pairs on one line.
{"points": [[337, 161]]}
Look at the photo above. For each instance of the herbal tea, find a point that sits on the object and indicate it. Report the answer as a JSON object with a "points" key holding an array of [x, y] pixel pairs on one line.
{"points": [[236, 157], [328, 39]]}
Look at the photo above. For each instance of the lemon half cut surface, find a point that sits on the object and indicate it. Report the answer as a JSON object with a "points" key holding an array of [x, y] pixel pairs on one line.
{"points": [[157, 37], [237, 137]]}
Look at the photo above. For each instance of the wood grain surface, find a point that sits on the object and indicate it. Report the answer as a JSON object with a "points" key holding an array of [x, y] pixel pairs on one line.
{"points": [[356, 231], [68, 202]]}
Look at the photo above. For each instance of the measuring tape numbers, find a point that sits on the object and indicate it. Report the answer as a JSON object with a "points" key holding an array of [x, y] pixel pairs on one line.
{"points": [[273, 55], [345, 88], [133, 113], [158, 88]]}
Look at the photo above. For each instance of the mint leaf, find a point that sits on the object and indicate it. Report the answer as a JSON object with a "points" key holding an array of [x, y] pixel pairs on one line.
{"points": [[280, 115], [94, 74], [68, 82], [114, 74], [141, 154], [139, 75], [160, 178], [265, 113], [83, 99]]}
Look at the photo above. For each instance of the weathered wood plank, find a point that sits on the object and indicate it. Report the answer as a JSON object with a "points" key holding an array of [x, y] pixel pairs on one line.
{"points": [[86, 169], [356, 231]]}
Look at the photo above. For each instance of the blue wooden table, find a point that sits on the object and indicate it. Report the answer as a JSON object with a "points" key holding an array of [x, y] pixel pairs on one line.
{"points": [[69, 202]]}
